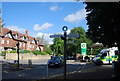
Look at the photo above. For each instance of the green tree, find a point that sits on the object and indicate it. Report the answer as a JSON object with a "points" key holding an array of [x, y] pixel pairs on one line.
{"points": [[103, 22], [58, 46], [75, 47], [47, 48]]}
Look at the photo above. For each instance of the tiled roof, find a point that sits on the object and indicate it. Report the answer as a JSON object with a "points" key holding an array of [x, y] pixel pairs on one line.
{"points": [[20, 35]]}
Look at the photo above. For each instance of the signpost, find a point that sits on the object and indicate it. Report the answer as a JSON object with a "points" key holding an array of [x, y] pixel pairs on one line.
{"points": [[70, 35], [83, 49], [63, 37]]}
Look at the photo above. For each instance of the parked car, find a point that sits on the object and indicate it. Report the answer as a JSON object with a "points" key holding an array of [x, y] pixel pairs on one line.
{"points": [[71, 58], [55, 61]]}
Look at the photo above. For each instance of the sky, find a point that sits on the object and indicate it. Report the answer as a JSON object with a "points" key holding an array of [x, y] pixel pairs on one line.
{"points": [[43, 18]]}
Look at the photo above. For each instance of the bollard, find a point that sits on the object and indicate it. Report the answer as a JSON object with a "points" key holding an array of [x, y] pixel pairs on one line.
{"points": [[15, 64], [30, 63]]}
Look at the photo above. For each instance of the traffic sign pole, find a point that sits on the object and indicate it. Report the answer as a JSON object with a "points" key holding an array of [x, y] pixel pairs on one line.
{"points": [[65, 55], [63, 37]]}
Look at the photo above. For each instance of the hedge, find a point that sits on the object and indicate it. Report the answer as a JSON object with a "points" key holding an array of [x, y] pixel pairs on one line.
{"points": [[13, 51], [38, 52]]}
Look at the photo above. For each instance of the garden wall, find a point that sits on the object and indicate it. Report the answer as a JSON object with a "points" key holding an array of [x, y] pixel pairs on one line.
{"points": [[26, 56]]}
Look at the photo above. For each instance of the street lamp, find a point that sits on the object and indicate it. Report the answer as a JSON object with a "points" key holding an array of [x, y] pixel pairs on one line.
{"points": [[18, 52]]}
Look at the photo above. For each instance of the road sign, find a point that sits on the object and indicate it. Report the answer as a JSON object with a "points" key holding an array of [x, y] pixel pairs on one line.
{"points": [[83, 45], [83, 49], [70, 35], [55, 36], [73, 35]]}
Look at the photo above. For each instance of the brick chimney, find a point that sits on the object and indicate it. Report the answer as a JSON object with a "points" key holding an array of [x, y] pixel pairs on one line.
{"points": [[26, 33]]}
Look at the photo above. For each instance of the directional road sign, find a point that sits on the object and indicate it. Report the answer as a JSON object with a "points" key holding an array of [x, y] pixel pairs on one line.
{"points": [[73, 35], [55, 36], [70, 35]]}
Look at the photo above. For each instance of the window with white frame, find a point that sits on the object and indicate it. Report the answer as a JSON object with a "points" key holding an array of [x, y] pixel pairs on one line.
{"points": [[26, 38], [7, 41], [20, 44], [2, 41], [23, 38], [23, 44], [16, 36], [30, 46]]}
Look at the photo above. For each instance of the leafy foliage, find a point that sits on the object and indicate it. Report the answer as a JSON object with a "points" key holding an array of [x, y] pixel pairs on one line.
{"points": [[103, 22], [58, 46], [26, 51], [73, 44], [47, 49], [75, 47], [36, 52], [3, 53], [13, 51]]}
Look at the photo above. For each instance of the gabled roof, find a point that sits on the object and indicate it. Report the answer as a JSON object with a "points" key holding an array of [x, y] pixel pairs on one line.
{"points": [[20, 35]]}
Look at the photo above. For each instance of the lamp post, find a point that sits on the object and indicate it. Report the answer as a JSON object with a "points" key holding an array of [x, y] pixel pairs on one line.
{"points": [[18, 52]]}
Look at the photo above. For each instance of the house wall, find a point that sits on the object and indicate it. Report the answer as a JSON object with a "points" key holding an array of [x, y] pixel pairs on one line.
{"points": [[33, 47], [11, 42], [22, 45]]}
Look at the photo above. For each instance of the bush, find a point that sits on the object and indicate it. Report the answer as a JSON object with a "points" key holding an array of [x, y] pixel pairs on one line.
{"points": [[43, 53], [26, 51], [13, 51], [3, 53], [36, 52]]}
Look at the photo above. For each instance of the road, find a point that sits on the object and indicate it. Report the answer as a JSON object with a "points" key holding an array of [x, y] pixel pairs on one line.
{"points": [[40, 71]]}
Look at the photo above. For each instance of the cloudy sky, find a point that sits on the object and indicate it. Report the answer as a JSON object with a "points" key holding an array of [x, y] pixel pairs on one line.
{"points": [[43, 18]]}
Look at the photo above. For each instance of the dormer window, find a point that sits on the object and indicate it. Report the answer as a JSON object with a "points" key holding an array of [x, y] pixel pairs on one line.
{"points": [[37, 42], [8, 35], [33, 41], [26, 38], [15, 36], [23, 38]]}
